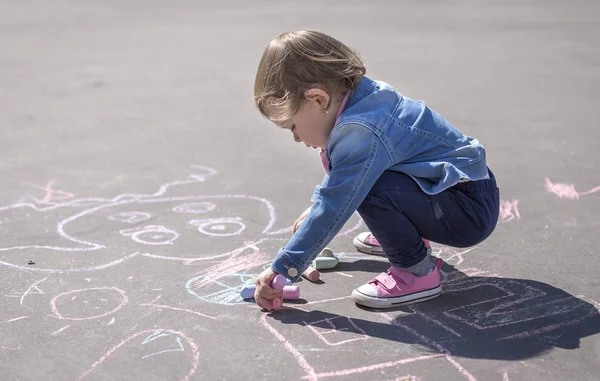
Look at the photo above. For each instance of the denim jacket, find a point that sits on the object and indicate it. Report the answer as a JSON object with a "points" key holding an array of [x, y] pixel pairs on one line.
{"points": [[379, 130]]}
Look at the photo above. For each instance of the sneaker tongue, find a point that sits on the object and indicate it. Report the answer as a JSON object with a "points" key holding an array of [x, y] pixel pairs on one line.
{"points": [[405, 276], [370, 240]]}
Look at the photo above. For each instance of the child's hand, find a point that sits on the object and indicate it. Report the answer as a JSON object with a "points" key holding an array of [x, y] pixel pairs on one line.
{"points": [[266, 296], [301, 218]]}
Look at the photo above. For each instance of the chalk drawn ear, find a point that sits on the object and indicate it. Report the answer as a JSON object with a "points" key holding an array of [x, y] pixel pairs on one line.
{"points": [[151, 235], [220, 227], [194, 208], [130, 217]]}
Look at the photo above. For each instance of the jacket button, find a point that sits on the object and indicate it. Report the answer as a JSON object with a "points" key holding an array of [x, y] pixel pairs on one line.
{"points": [[292, 272]]}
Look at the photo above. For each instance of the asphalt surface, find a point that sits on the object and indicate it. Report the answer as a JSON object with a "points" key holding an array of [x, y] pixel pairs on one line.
{"points": [[141, 190]]}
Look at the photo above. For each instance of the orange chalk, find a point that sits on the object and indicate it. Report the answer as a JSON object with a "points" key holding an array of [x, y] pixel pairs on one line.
{"points": [[311, 274]]}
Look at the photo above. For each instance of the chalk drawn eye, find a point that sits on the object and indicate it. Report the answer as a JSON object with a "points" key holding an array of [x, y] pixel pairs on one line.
{"points": [[195, 208], [152, 235], [220, 227], [130, 217]]}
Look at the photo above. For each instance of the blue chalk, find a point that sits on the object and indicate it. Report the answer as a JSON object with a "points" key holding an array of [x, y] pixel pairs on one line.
{"points": [[248, 292]]}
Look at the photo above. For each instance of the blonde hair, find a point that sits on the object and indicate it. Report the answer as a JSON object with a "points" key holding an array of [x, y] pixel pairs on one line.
{"points": [[297, 61]]}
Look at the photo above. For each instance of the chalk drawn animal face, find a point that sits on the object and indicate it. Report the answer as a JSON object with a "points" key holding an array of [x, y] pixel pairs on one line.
{"points": [[186, 228]]}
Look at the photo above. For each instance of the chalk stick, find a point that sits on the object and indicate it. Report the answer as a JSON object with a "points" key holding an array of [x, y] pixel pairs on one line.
{"points": [[311, 274], [278, 282], [324, 263], [248, 292], [327, 252], [289, 292]]}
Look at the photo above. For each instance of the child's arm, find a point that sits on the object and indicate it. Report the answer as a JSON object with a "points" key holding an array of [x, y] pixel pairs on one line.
{"points": [[301, 218], [358, 158]]}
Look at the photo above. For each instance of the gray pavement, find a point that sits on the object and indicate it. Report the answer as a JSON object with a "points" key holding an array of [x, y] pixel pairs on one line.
{"points": [[141, 190]]}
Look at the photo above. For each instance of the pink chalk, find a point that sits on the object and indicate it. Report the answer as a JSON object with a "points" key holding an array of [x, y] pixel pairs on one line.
{"points": [[291, 292], [311, 274], [278, 282]]}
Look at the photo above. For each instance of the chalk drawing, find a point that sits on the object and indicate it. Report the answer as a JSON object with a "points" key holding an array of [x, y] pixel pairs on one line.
{"points": [[434, 344], [159, 334], [130, 217], [222, 282], [308, 369], [219, 226], [509, 210], [16, 319], [28, 291], [568, 191], [151, 235], [51, 193], [129, 209], [516, 304], [60, 330], [337, 324], [195, 354], [162, 306], [57, 314], [195, 208]]}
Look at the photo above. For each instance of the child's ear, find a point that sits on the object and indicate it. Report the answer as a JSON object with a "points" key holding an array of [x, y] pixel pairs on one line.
{"points": [[319, 96]]}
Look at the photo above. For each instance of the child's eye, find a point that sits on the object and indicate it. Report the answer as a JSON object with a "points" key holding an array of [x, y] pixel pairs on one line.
{"points": [[293, 128]]}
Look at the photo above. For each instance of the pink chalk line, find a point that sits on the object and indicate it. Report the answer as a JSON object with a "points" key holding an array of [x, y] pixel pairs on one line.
{"points": [[232, 265], [334, 329], [311, 375], [193, 179], [50, 193], [563, 190], [193, 346], [446, 353], [509, 210], [347, 372]]}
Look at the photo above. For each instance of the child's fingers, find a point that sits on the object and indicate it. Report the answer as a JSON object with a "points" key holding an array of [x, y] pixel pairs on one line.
{"points": [[266, 290], [270, 293], [263, 303], [268, 304]]}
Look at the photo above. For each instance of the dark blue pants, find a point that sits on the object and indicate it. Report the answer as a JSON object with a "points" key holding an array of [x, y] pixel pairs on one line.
{"points": [[398, 213]]}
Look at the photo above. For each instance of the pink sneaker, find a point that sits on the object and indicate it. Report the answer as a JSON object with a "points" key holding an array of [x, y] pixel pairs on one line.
{"points": [[398, 287], [366, 243]]}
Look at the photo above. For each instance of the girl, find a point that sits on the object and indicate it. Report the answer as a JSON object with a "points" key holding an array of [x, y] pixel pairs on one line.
{"points": [[408, 172]]}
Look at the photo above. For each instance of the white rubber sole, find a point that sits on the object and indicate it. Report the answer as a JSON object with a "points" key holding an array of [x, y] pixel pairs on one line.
{"points": [[367, 249], [374, 302]]}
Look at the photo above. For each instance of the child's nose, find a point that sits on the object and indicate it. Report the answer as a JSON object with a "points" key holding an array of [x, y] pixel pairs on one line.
{"points": [[297, 138]]}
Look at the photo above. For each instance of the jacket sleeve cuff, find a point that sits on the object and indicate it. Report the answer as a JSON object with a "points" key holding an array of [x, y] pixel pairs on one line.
{"points": [[315, 196], [283, 264]]}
